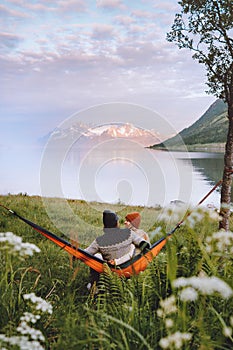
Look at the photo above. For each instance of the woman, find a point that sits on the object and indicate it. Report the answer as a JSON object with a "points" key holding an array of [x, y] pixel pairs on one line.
{"points": [[132, 221]]}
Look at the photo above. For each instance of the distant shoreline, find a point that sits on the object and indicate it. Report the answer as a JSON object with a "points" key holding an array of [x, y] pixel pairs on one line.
{"points": [[208, 147]]}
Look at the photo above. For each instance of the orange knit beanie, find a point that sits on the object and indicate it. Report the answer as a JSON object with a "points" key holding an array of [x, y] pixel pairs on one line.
{"points": [[134, 218]]}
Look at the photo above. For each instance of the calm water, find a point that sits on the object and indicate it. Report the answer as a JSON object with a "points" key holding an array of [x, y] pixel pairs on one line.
{"points": [[115, 173]]}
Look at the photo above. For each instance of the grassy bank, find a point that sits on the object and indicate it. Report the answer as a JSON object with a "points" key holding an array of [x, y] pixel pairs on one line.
{"points": [[183, 300], [208, 147]]}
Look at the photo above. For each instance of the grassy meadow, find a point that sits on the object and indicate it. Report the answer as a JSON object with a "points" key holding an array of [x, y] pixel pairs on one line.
{"points": [[183, 300]]}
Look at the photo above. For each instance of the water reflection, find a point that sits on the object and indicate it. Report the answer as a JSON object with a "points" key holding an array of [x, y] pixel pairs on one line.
{"points": [[112, 173], [135, 175], [209, 166]]}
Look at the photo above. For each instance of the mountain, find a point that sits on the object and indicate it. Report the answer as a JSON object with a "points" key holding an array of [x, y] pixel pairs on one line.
{"points": [[83, 134], [209, 129]]}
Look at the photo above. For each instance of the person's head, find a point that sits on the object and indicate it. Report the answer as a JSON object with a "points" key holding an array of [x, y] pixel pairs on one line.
{"points": [[110, 219], [133, 219]]}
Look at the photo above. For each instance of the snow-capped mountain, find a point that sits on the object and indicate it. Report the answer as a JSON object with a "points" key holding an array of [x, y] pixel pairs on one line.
{"points": [[84, 134]]}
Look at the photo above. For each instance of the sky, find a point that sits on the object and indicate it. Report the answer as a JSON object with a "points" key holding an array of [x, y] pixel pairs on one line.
{"points": [[60, 57]]}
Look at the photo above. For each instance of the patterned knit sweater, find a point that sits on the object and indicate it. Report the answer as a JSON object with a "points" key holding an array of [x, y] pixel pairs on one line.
{"points": [[114, 243]]}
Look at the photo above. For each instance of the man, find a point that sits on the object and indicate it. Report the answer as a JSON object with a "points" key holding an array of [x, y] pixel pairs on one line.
{"points": [[115, 242]]}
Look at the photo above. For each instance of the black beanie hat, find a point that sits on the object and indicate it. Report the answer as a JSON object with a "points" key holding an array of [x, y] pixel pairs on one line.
{"points": [[110, 219]]}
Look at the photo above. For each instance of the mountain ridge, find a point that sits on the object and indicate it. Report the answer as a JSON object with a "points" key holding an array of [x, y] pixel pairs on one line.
{"points": [[210, 128], [84, 133]]}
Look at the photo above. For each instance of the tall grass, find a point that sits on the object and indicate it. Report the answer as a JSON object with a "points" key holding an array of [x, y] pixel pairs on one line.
{"points": [[183, 300]]}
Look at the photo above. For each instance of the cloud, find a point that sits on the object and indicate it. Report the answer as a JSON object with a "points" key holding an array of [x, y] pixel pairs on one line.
{"points": [[6, 11], [72, 6], [124, 20], [60, 6], [49, 82], [52, 66], [9, 41], [145, 15], [166, 6], [102, 31], [110, 4]]}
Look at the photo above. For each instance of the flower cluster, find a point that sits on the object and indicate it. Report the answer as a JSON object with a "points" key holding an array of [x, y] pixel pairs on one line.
{"points": [[9, 240], [175, 340], [173, 213], [204, 285], [34, 334], [167, 306], [192, 215], [221, 241], [30, 338], [199, 213], [22, 342], [40, 304]]}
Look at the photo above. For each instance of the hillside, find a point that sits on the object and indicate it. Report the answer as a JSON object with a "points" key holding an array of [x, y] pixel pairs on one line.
{"points": [[211, 128]]}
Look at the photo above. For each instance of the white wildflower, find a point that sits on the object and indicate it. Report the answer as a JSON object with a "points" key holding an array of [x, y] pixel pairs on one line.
{"points": [[177, 339], [222, 241], [198, 214], [188, 294], [3, 337], [172, 213], [9, 237], [34, 334], [160, 313], [24, 343], [208, 249], [168, 306], [30, 338], [195, 216], [28, 249], [205, 285], [16, 244], [21, 342], [29, 317], [164, 343], [31, 296], [169, 323], [40, 304], [227, 331]]}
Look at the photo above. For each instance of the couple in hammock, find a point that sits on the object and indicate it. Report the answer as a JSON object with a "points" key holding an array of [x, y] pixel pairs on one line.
{"points": [[118, 245]]}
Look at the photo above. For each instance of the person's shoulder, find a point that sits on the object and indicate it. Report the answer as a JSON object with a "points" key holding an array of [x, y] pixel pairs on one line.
{"points": [[125, 230]]}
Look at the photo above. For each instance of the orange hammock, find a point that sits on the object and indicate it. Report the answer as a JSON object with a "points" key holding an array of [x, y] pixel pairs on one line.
{"points": [[131, 267]]}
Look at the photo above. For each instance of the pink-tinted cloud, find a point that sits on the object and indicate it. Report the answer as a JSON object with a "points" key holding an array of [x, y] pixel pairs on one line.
{"points": [[145, 15], [102, 31], [110, 4], [6, 11], [82, 55], [124, 19]]}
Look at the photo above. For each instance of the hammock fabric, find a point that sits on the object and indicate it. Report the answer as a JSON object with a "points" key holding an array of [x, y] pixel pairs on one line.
{"points": [[131, 267]]}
